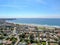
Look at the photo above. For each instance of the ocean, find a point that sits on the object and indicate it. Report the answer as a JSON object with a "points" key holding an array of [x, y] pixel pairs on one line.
{"points": [[38, 21]]}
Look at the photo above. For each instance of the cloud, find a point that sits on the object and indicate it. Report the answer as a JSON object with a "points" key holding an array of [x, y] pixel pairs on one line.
{"points": [[37, 1], [41, 1], [15, 6]]}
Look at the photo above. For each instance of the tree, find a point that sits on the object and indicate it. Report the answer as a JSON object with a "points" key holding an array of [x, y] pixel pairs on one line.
{"points": [[59, 43]]}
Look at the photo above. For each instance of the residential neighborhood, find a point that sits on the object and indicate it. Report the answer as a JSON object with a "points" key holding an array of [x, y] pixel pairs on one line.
{"points": [[23, 34]]}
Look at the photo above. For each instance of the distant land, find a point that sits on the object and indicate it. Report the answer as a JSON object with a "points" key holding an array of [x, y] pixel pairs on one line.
{"points": [[7, 18]]}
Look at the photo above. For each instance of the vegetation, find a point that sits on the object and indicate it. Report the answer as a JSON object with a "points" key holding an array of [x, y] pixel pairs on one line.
{"points": [[1, 44], [44, 43], [13, 39], [1, 37]]}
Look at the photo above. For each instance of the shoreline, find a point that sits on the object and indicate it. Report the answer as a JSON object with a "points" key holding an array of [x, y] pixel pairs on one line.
{"points": [[38, 25]]}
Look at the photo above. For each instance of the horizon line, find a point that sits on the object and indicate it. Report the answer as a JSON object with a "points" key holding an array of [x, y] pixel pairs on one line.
{"points": [[17, 17]]}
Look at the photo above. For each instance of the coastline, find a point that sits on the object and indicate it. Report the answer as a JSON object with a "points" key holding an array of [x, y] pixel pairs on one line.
{"points": [[38, 25]]}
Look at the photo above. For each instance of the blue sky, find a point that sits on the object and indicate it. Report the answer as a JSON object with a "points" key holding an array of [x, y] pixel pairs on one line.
{"points": [[29, 8]]}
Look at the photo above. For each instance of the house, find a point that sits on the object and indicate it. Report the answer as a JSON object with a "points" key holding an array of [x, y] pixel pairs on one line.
{"points": [[7, 42], [57, 32]]}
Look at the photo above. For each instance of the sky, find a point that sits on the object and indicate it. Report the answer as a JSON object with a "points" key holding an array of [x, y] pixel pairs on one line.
{"points": [[29, 8]]}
